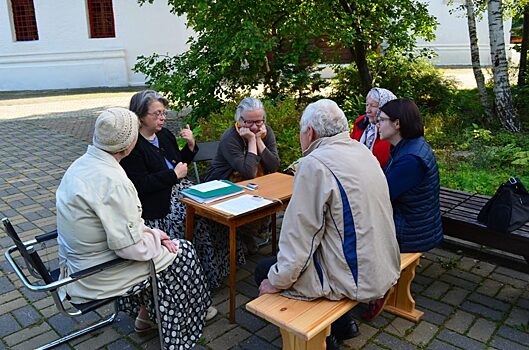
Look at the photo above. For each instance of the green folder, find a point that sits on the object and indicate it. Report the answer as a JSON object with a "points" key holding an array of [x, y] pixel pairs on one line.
{"points": [[232, 188]]}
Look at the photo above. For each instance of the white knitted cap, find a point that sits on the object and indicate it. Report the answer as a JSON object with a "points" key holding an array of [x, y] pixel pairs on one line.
{"points": [[115, 130]]}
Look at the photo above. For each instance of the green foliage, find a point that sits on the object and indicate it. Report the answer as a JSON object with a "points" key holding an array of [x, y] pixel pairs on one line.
{"points": [[237, 47], [283, 117], [405, 76], [476, 159], [521, 102]]}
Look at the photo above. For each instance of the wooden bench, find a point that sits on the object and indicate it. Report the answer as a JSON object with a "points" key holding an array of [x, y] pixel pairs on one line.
{"points": [[304, 325], [459, 212]]}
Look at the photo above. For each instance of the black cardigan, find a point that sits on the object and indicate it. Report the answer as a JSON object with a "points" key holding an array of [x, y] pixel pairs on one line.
{"points": [[146, 168]]}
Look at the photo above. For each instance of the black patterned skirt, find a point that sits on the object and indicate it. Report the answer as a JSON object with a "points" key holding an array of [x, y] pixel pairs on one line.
{"points": [[183, 298], [210, 239]]}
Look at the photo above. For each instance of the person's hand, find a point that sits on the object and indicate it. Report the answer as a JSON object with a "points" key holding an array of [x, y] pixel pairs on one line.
{"points": [[267, 288], [246, 134], [180, 170], [187, 134], [172, 246], [261, 134]]}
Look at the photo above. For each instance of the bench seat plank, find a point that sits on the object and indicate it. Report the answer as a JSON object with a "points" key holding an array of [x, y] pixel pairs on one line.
{"points": [[304, 325], [303, 318]]}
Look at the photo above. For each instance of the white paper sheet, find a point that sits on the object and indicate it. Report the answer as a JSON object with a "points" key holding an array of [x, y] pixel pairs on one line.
{"points": [[209, 186], [242, 204]]}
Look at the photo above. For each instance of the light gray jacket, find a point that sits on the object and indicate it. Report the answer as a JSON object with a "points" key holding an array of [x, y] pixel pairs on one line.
{"points": [[338, 236]]}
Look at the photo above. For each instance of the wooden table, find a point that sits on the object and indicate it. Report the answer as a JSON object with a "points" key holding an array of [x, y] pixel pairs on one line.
{"points": [[276, 187]]}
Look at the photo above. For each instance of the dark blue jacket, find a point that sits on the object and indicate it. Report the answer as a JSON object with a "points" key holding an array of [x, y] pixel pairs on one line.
{"points": [[417, 212]]}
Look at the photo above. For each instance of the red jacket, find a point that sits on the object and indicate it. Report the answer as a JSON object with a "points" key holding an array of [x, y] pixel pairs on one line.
{"points": [[380, 148]]}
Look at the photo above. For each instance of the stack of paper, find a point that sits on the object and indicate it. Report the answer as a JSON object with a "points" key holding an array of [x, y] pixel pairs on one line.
{"points": [[242, 204], [211, 191]]}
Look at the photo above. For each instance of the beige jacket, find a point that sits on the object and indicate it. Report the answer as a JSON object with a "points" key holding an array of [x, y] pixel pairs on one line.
{"points": [[338, 236], [99, 219]]}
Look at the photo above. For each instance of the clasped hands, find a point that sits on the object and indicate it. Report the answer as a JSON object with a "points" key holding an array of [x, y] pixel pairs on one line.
{"points": [[249, 135], [168, 243]]}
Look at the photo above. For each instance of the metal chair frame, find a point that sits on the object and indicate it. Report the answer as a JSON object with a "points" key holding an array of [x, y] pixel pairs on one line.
{"points": [[50, 282]]}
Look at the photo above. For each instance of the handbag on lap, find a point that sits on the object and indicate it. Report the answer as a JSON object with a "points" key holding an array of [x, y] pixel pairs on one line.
{"points": [[508, 209]]}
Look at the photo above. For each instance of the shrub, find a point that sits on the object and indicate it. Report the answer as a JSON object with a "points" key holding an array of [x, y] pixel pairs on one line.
{"points": [[406, 77]]}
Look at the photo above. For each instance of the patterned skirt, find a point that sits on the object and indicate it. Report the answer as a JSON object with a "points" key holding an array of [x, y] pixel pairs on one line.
{"points": [[183, 298], [210, 239]]}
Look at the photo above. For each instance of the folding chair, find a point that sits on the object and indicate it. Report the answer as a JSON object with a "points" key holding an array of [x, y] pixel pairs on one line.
{"points": [[206, 151], [48, 281]]}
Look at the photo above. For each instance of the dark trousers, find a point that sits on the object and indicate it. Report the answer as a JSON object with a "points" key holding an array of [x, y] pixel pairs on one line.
{"points": [[261, 273]]}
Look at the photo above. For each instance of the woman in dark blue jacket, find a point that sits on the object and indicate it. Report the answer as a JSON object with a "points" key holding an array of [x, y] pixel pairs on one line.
{"points": [[413, 177], [413, 181]]}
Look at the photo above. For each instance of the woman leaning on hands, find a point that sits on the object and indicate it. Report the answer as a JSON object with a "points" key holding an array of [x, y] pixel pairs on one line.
{"points": [[247, 149], [99, 219]]}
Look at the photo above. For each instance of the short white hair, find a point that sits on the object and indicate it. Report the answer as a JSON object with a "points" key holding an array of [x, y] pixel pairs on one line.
{"points": [[249, 104], [325, 118]]}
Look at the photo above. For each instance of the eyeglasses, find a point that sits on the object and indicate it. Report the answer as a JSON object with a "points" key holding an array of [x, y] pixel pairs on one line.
{"points": [[255, 122], [158, 114], [380, 118]]}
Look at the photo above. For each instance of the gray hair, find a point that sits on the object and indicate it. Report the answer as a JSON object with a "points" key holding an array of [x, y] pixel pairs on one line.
{"points": [[141, 101], [249, 104], [382, 96], [325, 118]]}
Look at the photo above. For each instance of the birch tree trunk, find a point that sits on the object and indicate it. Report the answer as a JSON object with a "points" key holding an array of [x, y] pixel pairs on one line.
{"points": [[502, 89], [476, 64], [522, 73]]}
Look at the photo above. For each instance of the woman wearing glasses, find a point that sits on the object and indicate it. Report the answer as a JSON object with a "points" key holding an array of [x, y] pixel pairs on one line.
{"points": [[413, 181], [248, 149], [157, 168], [365, 130], [413, 177]]}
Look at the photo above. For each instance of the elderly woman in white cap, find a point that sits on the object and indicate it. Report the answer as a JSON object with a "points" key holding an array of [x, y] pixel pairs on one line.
{"points": [[365, 129], [99, 219]]}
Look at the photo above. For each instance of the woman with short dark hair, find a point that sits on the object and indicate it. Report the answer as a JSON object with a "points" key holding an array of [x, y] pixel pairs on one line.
{"points": [[158, 169], [413, 177]]}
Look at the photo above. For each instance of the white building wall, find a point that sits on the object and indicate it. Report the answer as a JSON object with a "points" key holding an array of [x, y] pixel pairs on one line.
{"points": [[66, 57], [452, 43]]}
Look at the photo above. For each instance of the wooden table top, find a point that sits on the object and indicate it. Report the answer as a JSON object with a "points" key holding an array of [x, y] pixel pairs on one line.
{"points": [[272, 186]]}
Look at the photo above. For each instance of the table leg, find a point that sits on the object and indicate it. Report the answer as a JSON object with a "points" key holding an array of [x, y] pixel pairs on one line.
{"points": [[233, 270], [190, 222], [274, 234]]}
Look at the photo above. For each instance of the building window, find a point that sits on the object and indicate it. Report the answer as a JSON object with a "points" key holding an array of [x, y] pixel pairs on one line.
{"points": [[101, 19], [24, 20]]}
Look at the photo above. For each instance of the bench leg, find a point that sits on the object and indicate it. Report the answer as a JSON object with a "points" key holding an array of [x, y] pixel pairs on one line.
{"points": [[401, 302], [293, 342]]}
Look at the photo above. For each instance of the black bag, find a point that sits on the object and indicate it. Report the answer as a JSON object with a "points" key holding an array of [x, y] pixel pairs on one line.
{"points": [[508, 209]]}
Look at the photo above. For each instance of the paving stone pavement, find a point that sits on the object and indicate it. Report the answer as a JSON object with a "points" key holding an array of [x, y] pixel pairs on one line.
{"points": [[468, 303]]}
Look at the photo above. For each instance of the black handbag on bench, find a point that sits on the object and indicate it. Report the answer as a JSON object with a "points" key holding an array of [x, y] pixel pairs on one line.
{"points": [[508, 209]]}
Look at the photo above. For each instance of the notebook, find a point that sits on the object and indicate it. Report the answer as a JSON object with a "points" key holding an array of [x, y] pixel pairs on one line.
{"points": [[212, 191]]}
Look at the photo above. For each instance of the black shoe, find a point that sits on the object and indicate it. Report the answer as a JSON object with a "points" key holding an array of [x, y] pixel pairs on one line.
{"points": [[349, 332], [333, 343]]}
